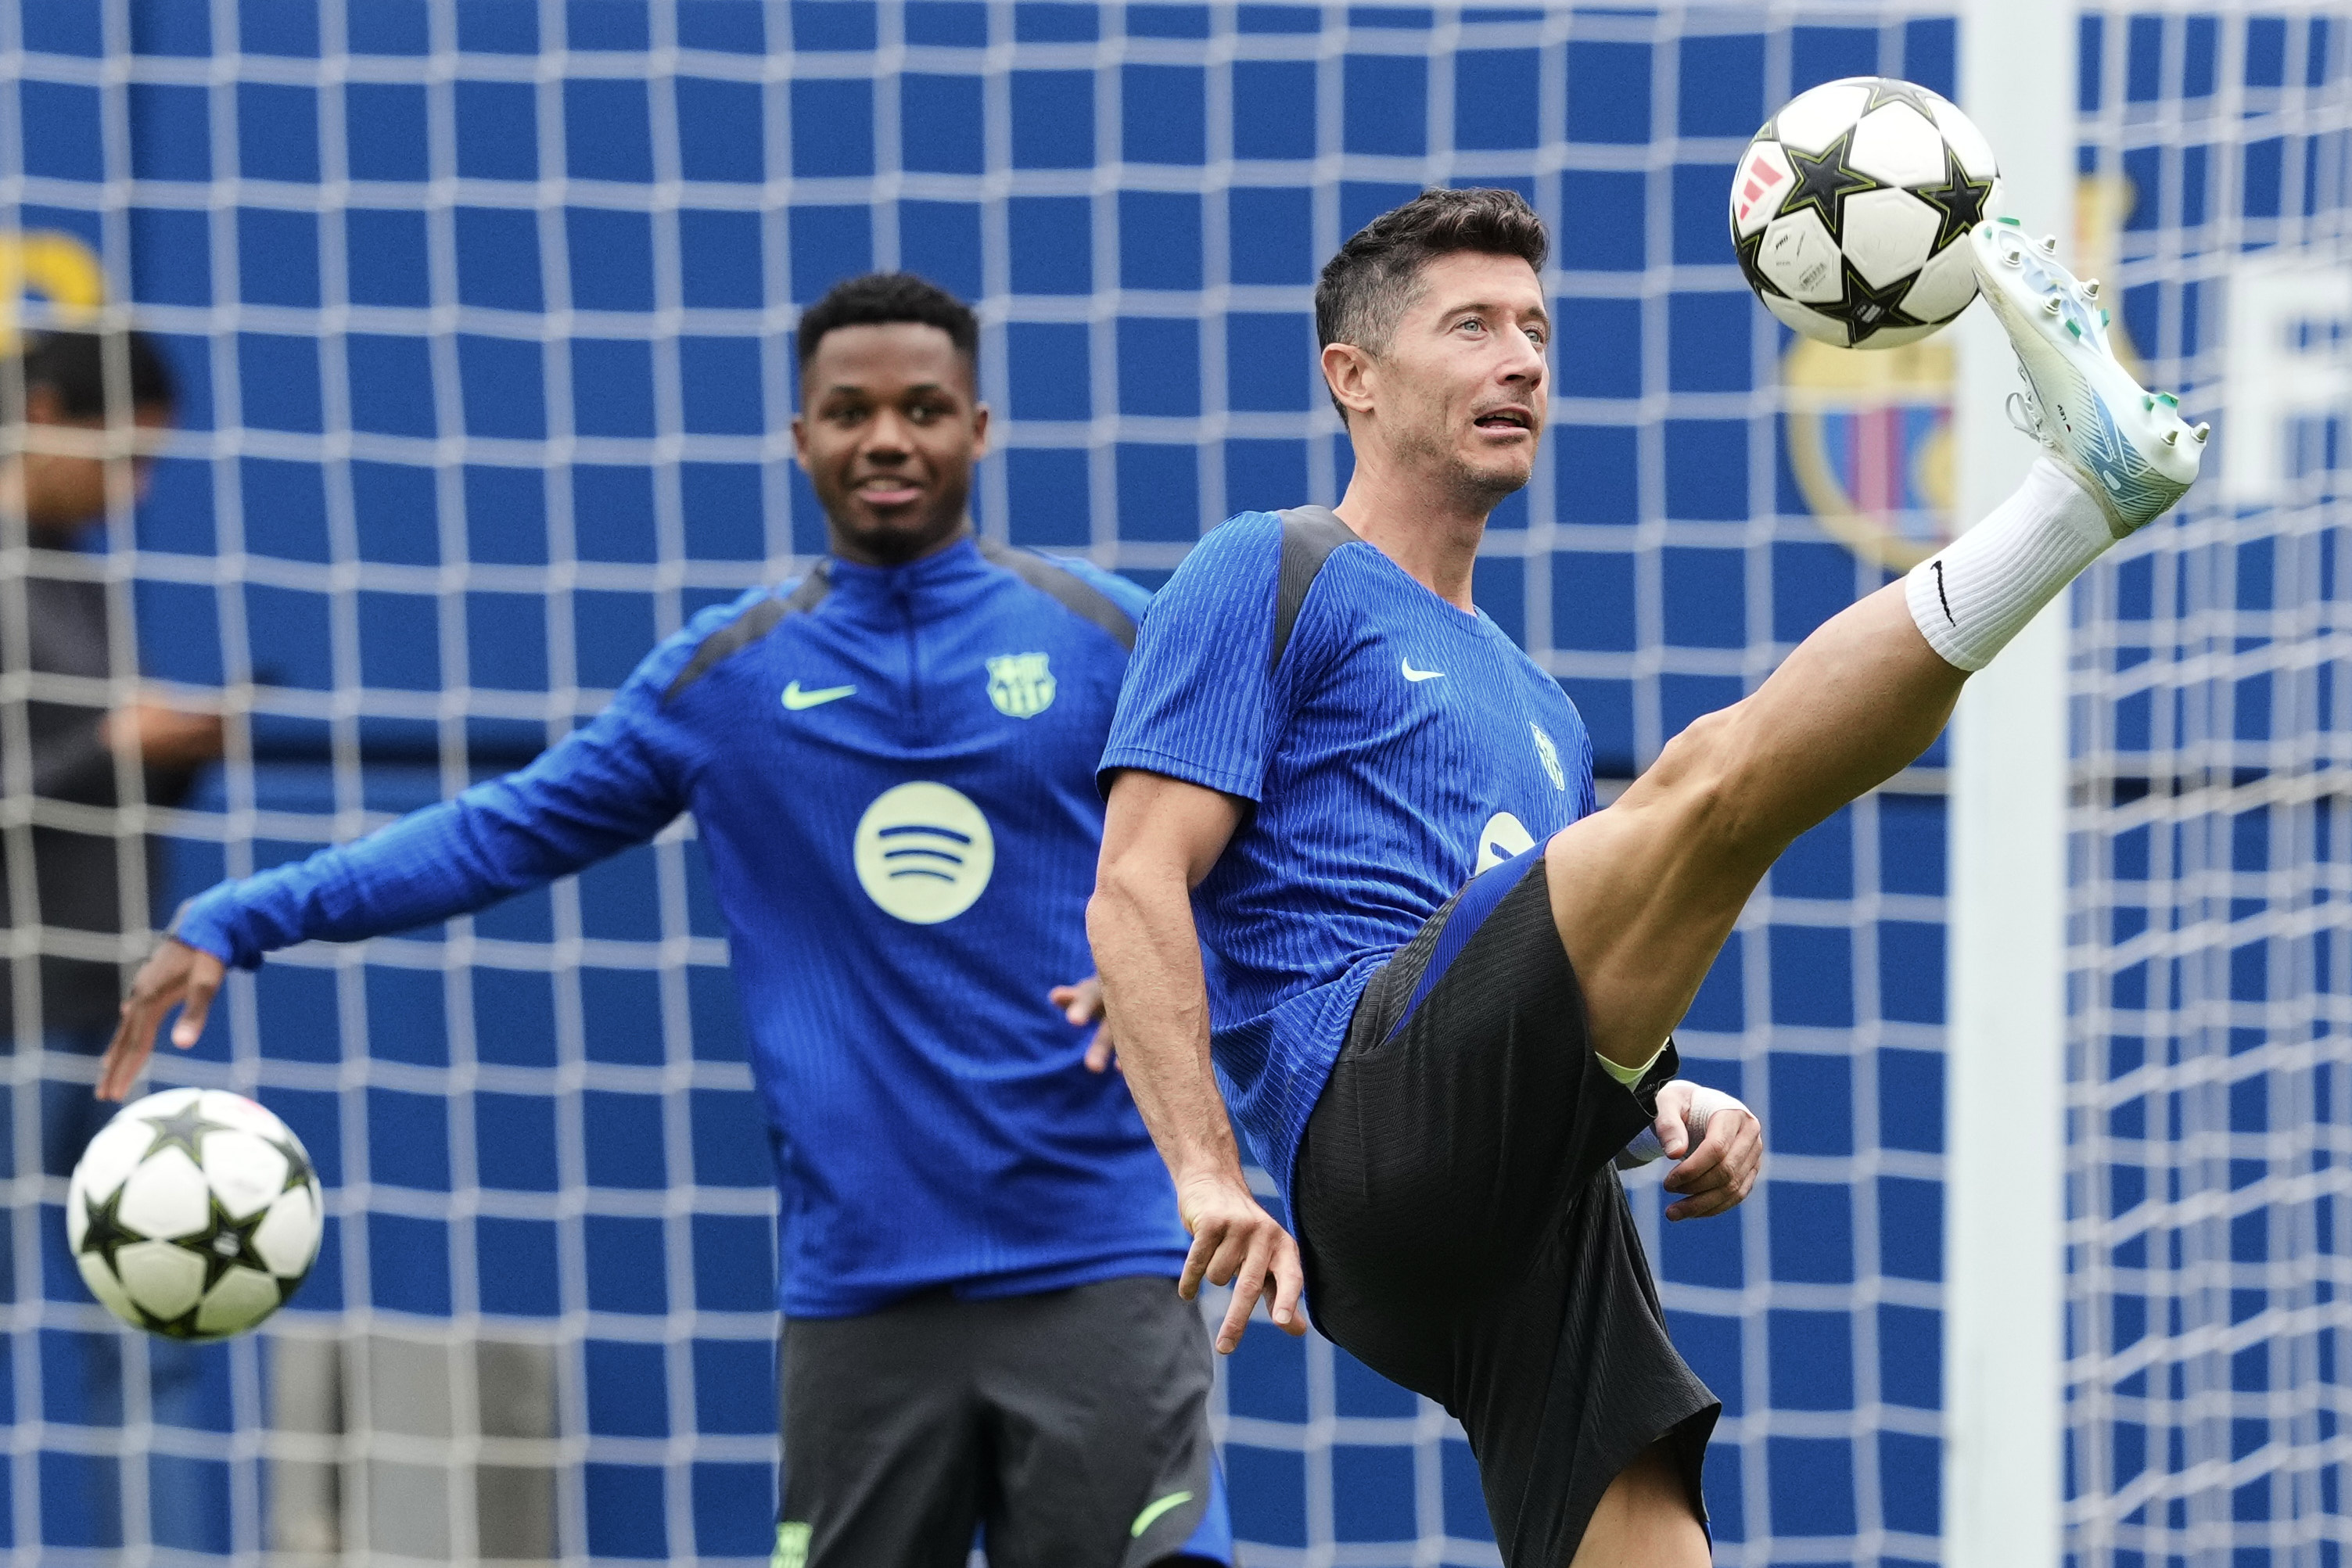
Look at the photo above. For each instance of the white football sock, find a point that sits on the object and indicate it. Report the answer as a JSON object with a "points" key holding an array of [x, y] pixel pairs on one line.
{"points": [[1979, 592]]}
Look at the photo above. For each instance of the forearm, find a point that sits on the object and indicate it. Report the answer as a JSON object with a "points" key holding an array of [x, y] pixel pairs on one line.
{"points": [[418, 871], [494, 840], [1149, 956]]}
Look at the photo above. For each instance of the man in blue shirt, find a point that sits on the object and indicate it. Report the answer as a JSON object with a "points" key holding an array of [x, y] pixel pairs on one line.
{"points": [[891, 766], [1331, 770]]}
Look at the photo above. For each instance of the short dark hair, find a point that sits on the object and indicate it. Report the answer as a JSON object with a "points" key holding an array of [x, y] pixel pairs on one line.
{"points": [[879, 298], [73, 366], [1374, 279]]}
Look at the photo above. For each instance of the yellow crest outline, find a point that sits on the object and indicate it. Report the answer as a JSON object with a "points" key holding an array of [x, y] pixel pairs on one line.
{"points": [[60, 267]]}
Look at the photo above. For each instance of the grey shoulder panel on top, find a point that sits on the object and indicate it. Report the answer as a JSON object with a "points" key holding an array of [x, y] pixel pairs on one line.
{"points": [[1309, 534], [1079, 597], [749, 627]]}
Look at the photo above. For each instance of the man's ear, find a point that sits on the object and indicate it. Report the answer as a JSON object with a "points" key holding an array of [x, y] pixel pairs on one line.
{"points": [[800, 441], [1349, 371], [979, 431]]}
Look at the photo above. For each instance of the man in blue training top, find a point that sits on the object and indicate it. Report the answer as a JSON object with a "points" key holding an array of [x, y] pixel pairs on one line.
{"points": [[891, 764], [1337, 773]]}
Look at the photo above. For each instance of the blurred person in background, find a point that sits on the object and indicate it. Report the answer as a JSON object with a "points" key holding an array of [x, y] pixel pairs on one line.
{"points": [[83, 413]]}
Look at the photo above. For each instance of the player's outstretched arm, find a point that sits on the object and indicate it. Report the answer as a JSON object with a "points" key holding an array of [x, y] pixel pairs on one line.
{"points": [[1160, 836], [599, 790]]}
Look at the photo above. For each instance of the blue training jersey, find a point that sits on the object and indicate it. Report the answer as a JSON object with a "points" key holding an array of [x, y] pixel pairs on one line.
{"points": [[893, 774], [1390, 744]]}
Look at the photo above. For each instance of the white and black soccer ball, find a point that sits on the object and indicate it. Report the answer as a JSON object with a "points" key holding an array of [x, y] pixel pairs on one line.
{"points": [[194, 1214], [1850, 207]]}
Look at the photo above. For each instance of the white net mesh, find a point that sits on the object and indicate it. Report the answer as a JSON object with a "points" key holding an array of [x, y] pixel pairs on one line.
{"points": [[2206, 1218]]}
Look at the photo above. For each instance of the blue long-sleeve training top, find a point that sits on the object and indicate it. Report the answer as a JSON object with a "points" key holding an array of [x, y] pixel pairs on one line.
{"points": [[893, 774]]}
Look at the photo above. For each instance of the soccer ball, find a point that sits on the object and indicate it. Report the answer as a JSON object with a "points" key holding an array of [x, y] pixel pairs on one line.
{"points": [[1849, 207], [194, 1214]]}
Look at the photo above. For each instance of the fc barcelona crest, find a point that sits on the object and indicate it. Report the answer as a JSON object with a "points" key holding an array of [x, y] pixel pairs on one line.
{"points": [[1020, 684]]}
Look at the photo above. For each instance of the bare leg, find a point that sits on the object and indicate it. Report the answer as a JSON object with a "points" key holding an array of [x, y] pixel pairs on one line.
{"points": [[1645, 892], [1645, 1520]]}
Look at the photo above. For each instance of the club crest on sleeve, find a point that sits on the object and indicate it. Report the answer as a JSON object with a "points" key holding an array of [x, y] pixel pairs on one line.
{"points": [[1020, 684]]}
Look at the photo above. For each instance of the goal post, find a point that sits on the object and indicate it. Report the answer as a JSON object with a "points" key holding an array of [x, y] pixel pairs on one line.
{"points": [[2004, 1177]]}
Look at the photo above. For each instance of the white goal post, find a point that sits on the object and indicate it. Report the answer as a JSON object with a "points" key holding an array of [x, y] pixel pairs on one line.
{"points": [[2005, 1075]]}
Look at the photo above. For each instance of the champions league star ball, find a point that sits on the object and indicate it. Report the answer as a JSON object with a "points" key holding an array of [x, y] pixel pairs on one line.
{"points": [[194, 1214], [1850, 207]]}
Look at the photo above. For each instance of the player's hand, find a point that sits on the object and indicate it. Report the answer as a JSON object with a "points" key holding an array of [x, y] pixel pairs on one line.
{"points": [[161, 735], [176, 975], [1721, 1169], [1236, 1241], [1082, 1004]]}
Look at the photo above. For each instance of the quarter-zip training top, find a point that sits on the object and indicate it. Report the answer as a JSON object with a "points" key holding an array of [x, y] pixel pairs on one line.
{"points": [[892, 772]]}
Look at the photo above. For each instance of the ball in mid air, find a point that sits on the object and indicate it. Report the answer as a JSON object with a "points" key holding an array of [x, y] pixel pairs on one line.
{"points": [[1849, 208], [194, 1214]]}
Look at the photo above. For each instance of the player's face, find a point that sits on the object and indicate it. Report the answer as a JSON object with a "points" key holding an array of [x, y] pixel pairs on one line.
{"points": [[1465, 385], [890, 430], [71, 466]]}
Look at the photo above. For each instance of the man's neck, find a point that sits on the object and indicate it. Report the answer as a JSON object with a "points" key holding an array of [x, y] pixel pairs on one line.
{"points": [[1417, 521], [850, 550]]}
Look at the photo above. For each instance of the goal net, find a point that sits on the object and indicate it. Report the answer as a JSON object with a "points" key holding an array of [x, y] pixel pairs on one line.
{"points": [[2207, 1175], [482, 313]]}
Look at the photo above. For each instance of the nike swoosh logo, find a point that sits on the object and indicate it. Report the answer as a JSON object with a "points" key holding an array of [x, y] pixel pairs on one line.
{"points": [[797, 699], [1413, 675]]}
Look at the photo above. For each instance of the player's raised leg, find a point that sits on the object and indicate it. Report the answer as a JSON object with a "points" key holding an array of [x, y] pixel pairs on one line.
{"points": [[1646, 891], [1645, 1520]]}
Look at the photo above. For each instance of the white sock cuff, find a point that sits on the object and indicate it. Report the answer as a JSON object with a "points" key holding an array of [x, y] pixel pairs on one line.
{"points": [[1970, 598]]}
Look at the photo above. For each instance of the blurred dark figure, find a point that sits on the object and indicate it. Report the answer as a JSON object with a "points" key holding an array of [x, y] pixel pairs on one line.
{"points": [[82, 414], [61, 485]]}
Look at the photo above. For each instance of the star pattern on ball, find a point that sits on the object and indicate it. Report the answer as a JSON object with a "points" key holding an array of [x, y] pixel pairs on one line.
{"points": [[1750, 248], [1960, 201], [1894, 89], [1823, 181], [297, 1166], [104, 1233], [1866, 310], [226, 1243], [182, 1327], [185, 1129]]}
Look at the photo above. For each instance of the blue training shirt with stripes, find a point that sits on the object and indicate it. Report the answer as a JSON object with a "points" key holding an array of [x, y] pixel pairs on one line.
{"points": [[1398, 747], [893, 775]]}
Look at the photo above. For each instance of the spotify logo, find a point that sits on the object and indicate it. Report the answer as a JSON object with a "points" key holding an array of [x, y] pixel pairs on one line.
{"points": [[924, 853], [1503, 838]]}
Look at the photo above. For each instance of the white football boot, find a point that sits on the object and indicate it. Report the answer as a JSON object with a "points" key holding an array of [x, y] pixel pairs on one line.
{"points": [[2126, 445]]}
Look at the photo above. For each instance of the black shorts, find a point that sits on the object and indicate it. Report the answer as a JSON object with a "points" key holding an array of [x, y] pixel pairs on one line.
{"points": [[1463, 1226], [1071, 1426]]}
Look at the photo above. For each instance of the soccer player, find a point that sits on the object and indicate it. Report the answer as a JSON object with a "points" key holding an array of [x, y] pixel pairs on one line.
{"points": [[1321, 742], [891, 764], [91, 408]]}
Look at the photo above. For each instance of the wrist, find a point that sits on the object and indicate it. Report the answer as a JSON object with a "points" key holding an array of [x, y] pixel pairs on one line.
{"points": [[1207, 1169]]}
